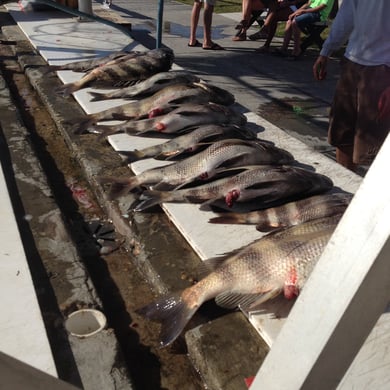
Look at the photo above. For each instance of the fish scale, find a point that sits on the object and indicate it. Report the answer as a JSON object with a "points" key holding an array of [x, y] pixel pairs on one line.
{"points": [[264, 184], [278, 262], [203, 165]]}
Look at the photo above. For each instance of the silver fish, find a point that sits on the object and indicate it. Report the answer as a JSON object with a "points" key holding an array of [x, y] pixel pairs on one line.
{"points": [[123, 71], [279, 262], [189, 142], [218, 157], [291, 213], [149, 86], [163, 101], [263, 184], [87, 65], [180, 119]]}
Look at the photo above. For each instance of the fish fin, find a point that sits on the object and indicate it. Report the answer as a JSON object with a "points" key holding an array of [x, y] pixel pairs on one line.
{"points": [[229, 218], [246, 302], [209, 265], [118, 186], [261, 298], [97, 96], [229, 300], [162, 186], [131, 155], [67, 89], [172, 312]]}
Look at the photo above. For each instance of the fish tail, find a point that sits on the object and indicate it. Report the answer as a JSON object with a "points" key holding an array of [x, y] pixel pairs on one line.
{"points": [[172, 312], [97, 96], [82, 126], [119, 186], [229, 218], [47, 69], [103, 130], [131, 155], [150, 198], [67, 89]]}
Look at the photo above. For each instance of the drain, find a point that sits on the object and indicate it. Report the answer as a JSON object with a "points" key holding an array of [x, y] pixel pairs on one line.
{"points": [[104, 235]]}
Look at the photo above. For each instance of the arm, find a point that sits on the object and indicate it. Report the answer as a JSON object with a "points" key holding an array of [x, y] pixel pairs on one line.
{"points": [[340, 31]]}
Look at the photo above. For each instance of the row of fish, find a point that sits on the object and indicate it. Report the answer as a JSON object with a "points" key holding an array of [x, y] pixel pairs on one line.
{"points": [[221, 165]]}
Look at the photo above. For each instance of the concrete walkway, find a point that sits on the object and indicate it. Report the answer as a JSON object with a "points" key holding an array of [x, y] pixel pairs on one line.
{"points": [[257, 81]]}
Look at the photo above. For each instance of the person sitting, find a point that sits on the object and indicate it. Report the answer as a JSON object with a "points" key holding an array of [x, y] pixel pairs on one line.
{"points": [[311, 12], [248, 8], [279, 12]]}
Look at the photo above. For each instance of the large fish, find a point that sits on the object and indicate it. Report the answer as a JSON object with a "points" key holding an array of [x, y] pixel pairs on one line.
{"points": [[180, 119], [291, 213], [123, 71], [149, 86], [264, 184], [163, 101], [87, 65], [279, 262], [189, 142], [218, 157]]}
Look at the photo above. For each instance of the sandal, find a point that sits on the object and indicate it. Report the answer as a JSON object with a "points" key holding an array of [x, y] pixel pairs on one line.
{"points": [[259, 35], [214, 46], [241, 25], [240, 36], [195, 44]]}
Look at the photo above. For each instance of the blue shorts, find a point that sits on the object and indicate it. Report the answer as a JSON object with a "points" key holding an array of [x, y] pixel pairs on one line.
{"points": [[305, 20]]}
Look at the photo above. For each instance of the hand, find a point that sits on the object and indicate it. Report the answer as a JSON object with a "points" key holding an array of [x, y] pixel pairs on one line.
{"points": [[319, 68], [384, 105]]}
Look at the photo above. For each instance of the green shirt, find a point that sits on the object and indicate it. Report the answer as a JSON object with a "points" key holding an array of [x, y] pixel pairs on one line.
{"points": [[326, 11]]}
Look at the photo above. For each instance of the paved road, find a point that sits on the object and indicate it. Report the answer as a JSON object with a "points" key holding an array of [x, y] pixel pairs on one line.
{"points": [[282, 91]]}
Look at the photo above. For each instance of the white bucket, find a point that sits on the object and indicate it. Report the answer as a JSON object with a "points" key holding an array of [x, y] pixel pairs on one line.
{"points": [[85, 322]]}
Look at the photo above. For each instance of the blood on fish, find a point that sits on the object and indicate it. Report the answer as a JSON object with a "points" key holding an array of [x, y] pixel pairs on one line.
{"points": [[290, 285], [160, 126], [155, 112], [232, 196]]}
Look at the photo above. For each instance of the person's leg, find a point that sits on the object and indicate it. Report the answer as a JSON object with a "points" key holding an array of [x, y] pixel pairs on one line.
{"points": [[247, 7], [287, 36], [194, 21], [344, 156], [296, 33], [271, 24], [207, 21]]}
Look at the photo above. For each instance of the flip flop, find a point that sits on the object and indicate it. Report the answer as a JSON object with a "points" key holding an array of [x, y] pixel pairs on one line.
{"points": [[196, 44], [214, 46]]}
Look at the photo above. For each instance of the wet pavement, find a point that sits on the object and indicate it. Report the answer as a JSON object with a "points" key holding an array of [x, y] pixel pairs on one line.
{"points": [[285, 93]]}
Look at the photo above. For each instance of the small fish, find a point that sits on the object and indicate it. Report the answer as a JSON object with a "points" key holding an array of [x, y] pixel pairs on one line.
{"points": [[218, 157], [123, 71], [291, 213], [264, 184], [279, 262], [180, 119], [87, 65], [189, 142], [149, 86], [162, 101]]}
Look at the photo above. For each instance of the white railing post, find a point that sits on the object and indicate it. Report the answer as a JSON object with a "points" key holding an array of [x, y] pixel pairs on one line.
{"points": [[345, 295]]}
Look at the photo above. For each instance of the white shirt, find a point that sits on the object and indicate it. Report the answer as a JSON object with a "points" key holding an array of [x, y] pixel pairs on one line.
{"points": [[366, 26]]}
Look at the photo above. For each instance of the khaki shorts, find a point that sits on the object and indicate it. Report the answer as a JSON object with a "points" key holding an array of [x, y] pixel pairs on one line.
{"points": [[354, 112]]}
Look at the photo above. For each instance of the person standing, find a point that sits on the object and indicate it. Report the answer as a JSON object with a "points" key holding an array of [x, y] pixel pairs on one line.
{"points": [[208, 44], [359, 120]]}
